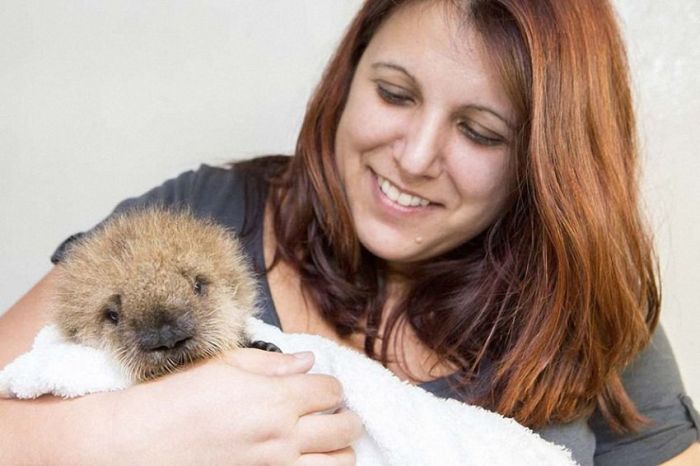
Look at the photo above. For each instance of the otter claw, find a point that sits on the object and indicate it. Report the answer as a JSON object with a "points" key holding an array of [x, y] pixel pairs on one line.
{"points": [[265, 346]]}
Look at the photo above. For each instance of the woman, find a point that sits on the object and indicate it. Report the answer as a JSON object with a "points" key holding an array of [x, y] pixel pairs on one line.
{"points": [[462, 206]]}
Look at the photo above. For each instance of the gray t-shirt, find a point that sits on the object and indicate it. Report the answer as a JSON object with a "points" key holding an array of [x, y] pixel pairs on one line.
{"points": [[235, 197]]}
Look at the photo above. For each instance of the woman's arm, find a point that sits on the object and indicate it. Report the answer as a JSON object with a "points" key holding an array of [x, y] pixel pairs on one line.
{"points": [[21, 322], [654, 384], [690, 457], [17, 329], [248, 407]]}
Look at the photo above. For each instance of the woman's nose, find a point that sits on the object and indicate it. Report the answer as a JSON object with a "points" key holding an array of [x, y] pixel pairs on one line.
{"points": [[419, 152]]}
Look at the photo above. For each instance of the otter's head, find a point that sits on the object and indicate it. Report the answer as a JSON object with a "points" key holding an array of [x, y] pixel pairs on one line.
{"points": [[157, 289]]}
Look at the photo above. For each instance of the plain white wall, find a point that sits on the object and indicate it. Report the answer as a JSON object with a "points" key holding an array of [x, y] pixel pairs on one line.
{"points": [[103, 100]]}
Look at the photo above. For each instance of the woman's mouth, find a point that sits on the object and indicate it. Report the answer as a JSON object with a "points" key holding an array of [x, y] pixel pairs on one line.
{"points": [[397, 196]]}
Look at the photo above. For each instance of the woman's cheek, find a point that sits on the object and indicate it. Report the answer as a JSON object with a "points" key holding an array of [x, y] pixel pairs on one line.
{"points": [[373, 124], [480, 173]]}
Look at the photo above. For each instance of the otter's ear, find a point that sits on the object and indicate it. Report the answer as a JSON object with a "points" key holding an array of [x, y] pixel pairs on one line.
{"points": [[66, 247]]}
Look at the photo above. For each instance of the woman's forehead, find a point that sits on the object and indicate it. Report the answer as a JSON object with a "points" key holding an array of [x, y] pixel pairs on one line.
{"points": [[434, 46]]}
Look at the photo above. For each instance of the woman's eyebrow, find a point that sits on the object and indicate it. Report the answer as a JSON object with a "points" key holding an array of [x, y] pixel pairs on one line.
{"points": [[396, 67], [466, 108], [481, 108]]}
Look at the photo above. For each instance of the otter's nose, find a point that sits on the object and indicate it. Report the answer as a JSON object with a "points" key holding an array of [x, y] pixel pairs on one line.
{"points": [[163, 336]]}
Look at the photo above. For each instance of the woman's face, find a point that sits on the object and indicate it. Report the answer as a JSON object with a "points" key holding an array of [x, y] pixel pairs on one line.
{"points": [[423, 142]]}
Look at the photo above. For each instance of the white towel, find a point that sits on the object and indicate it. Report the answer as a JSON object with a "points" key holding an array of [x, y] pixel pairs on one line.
{"points": [[404, 424]]}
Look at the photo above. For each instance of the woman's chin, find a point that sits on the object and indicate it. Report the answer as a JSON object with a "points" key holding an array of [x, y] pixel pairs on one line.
{"points": [[396, 248]]}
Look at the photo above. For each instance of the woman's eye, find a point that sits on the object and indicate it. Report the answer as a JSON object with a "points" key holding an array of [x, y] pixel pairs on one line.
{"points": [[478, 137], [392, 97]]}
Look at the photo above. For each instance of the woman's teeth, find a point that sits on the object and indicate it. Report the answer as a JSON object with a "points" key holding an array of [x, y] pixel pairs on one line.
{"points": [[404, 199]]}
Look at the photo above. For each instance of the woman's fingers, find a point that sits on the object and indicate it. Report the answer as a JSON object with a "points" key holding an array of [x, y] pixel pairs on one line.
{"points": [[344, 457], [314, 393], [269, 363], [310, 393], [324, 433]]}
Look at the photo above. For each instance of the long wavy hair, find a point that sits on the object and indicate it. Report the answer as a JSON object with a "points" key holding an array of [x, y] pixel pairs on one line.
{"points": [[561, 292]]}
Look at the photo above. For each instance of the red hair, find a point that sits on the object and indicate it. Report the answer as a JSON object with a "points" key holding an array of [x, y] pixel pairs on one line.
{"points": [[561, 292]]}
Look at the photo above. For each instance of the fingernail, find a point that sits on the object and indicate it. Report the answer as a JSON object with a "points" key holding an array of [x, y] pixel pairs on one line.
{"points": [[306, 356]]}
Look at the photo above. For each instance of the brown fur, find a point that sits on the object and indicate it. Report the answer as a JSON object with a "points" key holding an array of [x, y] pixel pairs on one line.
{"points": [[143, 267]]}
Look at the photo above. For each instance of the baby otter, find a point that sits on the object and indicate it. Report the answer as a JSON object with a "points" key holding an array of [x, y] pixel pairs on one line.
{"points": [[157, 289]]}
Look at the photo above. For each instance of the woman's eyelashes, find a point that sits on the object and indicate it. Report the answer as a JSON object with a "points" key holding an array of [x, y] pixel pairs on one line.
{"points": [[479, 137], [394, 96]]}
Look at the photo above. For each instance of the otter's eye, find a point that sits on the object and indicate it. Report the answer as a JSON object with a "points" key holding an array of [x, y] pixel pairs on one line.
{"points": [[111, 309], [200, 286], [112, 316]]}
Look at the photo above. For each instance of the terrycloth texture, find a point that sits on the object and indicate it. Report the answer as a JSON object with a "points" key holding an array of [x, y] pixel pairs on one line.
{"points": [[61, 368], [405, 425]]}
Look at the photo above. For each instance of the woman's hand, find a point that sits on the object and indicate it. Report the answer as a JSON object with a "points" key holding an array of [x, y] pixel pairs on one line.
{"points": [[248, 407]]}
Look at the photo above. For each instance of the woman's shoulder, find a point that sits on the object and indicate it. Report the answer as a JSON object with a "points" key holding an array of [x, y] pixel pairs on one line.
{"points": [[232, 195], [222, 193], [219, 192]]}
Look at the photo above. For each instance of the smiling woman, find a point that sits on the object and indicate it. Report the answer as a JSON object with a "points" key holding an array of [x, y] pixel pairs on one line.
{"points": [[462, 206], [422, 122], [464, 200]]}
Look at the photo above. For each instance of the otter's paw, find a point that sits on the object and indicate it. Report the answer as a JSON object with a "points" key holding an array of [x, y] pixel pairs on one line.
{"points": [[264, 345]]}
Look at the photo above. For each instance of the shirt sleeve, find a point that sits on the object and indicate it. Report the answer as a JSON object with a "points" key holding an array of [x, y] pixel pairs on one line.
{"points": [[654, 384]]}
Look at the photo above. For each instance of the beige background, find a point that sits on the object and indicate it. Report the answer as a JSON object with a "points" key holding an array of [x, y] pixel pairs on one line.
{"points": [[103, 100]]}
